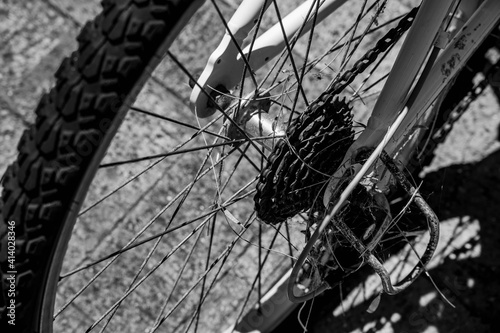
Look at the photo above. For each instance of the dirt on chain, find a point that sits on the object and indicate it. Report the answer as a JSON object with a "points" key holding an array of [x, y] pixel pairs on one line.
{"points": [[462, 184]]}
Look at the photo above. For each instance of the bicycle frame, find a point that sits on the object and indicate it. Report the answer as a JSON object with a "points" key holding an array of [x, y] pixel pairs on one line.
{"points": [[228, 62], [396, 93], [403, 107]]}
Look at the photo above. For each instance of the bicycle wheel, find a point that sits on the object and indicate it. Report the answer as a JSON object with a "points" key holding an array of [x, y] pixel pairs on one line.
{"points": [[182, 247]]}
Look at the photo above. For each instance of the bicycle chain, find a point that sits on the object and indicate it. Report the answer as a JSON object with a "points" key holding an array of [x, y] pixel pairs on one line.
{"points": [[315, 144], [454, 106], [455, 113], [390, 38]]}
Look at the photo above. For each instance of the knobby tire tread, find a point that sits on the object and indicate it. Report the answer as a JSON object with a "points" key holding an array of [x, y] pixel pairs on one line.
{"points": [[92, 84]]}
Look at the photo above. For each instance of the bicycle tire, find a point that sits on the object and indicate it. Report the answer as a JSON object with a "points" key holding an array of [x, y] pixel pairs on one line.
{"points": [[57, 155]]}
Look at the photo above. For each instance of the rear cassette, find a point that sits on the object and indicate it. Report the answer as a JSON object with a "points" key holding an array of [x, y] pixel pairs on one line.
{"points": [[301, 164]]}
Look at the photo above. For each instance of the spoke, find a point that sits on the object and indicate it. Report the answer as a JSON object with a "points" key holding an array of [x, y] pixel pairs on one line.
{"points": [[207, 263], [303, 69], [178, 122], [128, 181], [155, 246], [287, 239], [223, 256], [243, 154], [313, 63], [366, 31], [359, 94], [147, 168], [290, 250], [380, 9], [282, 58], [184, 195], [362, 95], [247, 67], [284, 54], [337, 46], [347, 56], [240, 51], [147, 275], [282, 105], [287, 43], [224, 113], [250, 242], [179, 152], [128, 246], [257, 276], [216, 176], [141, 198], [215, 280], [195, 230], [308, 313], [133, 244], [259, 264], [172, 153], [178, 279], [143, 265]]}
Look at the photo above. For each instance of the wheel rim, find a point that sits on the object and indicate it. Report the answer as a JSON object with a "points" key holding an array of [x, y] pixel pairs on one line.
{"points": [[216, 219]]}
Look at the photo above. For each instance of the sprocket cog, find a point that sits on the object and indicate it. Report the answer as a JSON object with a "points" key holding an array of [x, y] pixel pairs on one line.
{"points": [[300, 164]]}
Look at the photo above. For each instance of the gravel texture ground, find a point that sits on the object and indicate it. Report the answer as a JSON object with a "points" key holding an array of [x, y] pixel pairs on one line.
{"points": [[463, 183]]}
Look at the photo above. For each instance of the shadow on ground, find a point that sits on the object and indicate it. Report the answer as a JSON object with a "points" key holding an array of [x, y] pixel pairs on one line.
{"points": [[468, 276]]}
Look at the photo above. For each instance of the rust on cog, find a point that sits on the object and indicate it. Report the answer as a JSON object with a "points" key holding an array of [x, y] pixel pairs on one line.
{"points": [[300, 165]]}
